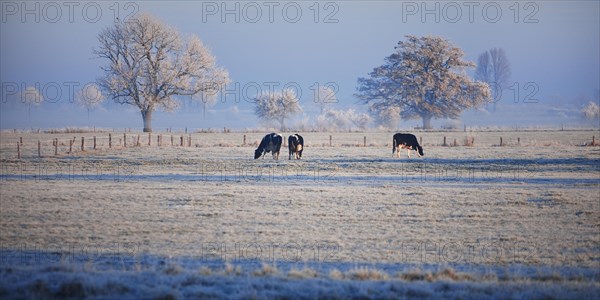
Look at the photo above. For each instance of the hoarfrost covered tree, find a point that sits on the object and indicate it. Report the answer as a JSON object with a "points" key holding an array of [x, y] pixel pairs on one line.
{"points": [[277, 106], [591, 111], [386, 117], [494, 69], [89, 98], [424, 78], [337, 119], [334, 119], [149, 65], [360, 120]]}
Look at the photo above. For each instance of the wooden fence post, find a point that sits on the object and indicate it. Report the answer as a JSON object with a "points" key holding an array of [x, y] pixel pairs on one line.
{"points": [[190, 140], [21, 140], [181, 142], [94, 142], [364, 141], [149, 138], [55, 147], [109, 141], [330, 141], [39, 149], [244, 144], [421, 140], [519, 141], [444, 144], [501, 141], [70, 146], [18, 151], [82, 144], [124, 140], [593, 140], [171, 140]]}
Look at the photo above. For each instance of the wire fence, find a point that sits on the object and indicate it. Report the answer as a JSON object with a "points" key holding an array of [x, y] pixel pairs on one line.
{"points": [[40, 145]]}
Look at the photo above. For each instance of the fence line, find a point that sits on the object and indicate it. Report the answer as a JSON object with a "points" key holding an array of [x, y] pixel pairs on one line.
{"points": [[186, 141], [96, 140]]}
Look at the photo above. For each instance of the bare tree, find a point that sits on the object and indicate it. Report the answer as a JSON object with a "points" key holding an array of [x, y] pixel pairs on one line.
{"points": [[277, 106], [424, 78], [149, 65], [89, 98], [493, 67], [31, 97], [483, 70]]}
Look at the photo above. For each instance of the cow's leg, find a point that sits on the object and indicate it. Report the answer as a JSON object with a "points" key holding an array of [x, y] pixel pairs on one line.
{"points": [[408, 152]]}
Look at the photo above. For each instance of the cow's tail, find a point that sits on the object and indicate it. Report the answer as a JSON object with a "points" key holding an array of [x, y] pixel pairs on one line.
{"points": [[393, 145]]}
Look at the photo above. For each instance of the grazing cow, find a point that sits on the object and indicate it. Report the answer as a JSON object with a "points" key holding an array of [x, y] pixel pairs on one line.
{"points": [[295, 145], [270, 143], [406, 141]]}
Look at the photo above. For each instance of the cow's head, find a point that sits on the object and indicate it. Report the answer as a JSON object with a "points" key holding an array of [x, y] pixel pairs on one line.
{"points": [[257, 153]]}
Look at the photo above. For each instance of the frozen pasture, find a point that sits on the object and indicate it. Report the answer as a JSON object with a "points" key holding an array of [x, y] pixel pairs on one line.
{"points": [[520, 220]]}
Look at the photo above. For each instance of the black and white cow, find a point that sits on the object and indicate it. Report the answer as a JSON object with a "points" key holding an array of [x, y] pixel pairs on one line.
{"points": [[270, 143], [295, 145], [406, 141]]}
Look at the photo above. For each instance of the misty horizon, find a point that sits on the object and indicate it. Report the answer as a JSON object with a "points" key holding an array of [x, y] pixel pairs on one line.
{"points": [[552, 48]]}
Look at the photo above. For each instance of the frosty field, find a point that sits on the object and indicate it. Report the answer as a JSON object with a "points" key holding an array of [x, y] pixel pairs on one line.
{"points": [[482, 221]]}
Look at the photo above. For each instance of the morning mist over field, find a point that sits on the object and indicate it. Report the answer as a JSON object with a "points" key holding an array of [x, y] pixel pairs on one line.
{"points": [[551, 46]]}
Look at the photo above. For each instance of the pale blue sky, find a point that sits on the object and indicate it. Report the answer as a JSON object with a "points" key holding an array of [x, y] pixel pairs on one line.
{"points": [[559, 52]]}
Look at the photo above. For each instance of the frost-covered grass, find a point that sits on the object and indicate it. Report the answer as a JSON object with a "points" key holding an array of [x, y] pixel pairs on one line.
{"points": [[176, 278], [481, 221]]}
